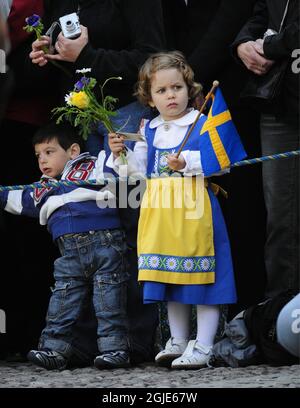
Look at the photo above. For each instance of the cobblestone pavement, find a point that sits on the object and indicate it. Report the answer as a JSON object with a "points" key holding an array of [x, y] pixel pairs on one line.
{"points": [[25, 375]]}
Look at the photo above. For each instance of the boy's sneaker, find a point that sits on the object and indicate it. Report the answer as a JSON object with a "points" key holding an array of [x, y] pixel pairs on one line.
{"points": [[112, 359], [173, 349], [49, 359], [195, 356]]}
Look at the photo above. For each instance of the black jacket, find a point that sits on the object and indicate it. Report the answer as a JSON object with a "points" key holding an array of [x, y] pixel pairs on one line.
{"points": [[122, 33], [268, 14], [203, 31]]}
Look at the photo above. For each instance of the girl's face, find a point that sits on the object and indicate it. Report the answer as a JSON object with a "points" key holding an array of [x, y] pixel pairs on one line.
{"points": [[169, 93]]}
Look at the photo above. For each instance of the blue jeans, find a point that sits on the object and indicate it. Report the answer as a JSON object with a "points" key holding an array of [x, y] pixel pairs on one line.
{"points": [[91, 263], [128, 119]]}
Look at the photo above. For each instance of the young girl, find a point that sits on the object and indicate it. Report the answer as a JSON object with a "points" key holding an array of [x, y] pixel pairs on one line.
{"points": [[184, 259]]}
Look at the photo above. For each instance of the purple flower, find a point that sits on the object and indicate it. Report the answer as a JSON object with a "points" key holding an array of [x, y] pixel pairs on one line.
{"points": [[78, 86], [33, 20], [84, 81]]}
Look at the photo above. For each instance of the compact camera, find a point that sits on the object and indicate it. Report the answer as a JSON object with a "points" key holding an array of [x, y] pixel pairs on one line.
{"points": [[70, 26]]}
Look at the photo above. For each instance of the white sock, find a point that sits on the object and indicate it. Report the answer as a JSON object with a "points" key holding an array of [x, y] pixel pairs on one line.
{"points": [[179, 320], [207, 323]]}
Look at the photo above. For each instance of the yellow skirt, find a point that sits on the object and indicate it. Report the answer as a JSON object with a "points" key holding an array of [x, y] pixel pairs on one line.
{"points": [[175, 234]]}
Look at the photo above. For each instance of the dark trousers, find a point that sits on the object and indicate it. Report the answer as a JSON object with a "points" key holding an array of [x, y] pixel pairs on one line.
{"points": [[244, 213], [281, 193]]}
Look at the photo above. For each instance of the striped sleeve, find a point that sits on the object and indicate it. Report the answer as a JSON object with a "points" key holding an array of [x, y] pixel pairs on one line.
{"points": [[19, 202]]}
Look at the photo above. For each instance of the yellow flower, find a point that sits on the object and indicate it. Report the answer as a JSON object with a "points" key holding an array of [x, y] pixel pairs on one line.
{"points": [[79, 99]]}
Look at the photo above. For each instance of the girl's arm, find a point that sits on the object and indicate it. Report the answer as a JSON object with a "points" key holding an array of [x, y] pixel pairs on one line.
{"points": [[192, 162], [136, 159]]}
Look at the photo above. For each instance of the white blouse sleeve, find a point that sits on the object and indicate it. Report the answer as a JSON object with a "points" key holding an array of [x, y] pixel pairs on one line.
{"points": [[193, 162], [136, 159]]}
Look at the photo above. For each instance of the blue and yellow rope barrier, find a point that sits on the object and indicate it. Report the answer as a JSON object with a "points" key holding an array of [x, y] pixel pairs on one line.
{"points": [[104, 180], [266, 158]]}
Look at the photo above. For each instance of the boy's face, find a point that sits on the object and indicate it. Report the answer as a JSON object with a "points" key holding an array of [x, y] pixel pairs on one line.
{"points": [[52, 158]]}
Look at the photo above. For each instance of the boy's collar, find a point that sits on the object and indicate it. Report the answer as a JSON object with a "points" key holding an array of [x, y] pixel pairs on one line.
{"points": [[82, 156], [46, 178], [70, 163]]}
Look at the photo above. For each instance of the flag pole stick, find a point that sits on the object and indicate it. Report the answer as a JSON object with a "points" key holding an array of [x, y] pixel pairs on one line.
{"points": [[208, 96]]}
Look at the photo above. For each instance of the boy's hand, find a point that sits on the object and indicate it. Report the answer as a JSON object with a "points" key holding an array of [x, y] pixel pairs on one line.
{"points": [[174, 163], [116, 143]]}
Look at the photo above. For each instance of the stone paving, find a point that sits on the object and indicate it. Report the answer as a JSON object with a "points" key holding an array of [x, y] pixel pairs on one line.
{"points": [[25, 375]]}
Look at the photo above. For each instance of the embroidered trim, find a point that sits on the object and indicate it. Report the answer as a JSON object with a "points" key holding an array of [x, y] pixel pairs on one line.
{"points": [[160, 161], [179, 264]]}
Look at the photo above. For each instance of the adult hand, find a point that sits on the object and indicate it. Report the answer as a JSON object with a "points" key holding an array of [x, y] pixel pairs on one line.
{"points": [[259, 46], [40, 50], [116, 143], [252, 59], [176, 163], [69, 50]]}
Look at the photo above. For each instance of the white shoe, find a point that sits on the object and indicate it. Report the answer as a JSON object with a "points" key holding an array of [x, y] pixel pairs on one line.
{"points": [[195, 356], [173, 349]]}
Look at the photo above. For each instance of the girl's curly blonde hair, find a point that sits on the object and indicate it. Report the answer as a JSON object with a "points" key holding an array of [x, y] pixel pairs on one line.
{"points": [[164, 60]]}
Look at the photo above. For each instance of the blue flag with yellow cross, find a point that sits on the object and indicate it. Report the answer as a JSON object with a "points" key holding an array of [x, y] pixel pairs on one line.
{"points": [[220, 143]]}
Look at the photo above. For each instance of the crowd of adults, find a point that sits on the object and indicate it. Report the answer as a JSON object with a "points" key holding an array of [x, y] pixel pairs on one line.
{"points": [[221, 40]]}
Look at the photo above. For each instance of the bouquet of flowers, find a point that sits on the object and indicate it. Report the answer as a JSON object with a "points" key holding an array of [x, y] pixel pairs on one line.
{"points": [[82, 108]]}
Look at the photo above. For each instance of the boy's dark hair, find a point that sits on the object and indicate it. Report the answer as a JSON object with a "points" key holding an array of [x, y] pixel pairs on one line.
{"points": [[64, 133]]}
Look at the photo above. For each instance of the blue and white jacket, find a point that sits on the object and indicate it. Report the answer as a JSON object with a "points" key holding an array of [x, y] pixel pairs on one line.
{"points": [[70, 209]]}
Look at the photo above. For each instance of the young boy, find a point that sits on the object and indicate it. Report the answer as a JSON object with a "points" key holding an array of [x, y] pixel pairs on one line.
{"points": [[92, 247]]}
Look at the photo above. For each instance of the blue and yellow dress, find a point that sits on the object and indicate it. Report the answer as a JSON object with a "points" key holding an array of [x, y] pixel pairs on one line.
{"points": [[183, 247]]}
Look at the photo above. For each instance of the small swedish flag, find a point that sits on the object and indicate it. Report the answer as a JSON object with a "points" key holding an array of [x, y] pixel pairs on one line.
{"points": [[220, 144]]}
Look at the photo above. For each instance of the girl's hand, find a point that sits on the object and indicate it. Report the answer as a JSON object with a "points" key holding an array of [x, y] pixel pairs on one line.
{"points": [[176, 163], [69, 50], [116, 143], [39, 49]]}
